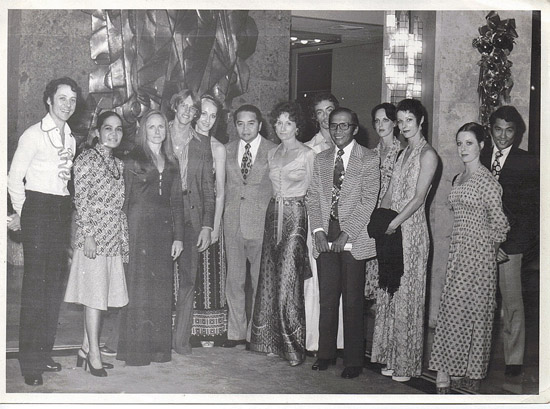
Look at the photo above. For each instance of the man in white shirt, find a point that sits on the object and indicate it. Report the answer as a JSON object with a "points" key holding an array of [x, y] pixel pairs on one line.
{"points": [[341, 197], [247, 194], [37, 184]]}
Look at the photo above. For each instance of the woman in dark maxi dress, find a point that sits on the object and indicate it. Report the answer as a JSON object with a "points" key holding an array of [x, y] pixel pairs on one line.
{"points": [[154, 207], [278, 326], [210, 309], [462, 340]]}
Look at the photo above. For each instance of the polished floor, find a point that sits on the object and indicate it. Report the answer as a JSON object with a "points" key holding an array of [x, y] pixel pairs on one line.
{"points": [[236, 371]]}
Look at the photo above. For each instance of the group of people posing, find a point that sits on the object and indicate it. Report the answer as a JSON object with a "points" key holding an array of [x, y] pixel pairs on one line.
{"points": [[317, 227]]}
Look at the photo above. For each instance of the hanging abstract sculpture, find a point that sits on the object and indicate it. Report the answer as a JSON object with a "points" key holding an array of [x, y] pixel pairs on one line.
{"points": [[495, 43], [143, 57]]}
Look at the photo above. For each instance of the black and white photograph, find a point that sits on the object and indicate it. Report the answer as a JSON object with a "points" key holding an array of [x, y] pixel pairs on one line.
{"points": [[295, 203]]}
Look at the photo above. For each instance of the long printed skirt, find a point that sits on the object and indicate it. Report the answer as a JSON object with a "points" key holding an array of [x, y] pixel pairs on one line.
{"points": [[278, 324]]}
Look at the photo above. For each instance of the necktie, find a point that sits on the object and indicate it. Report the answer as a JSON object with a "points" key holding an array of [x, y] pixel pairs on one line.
{"points": [[246, 163], [337, 180], [495, 167]]}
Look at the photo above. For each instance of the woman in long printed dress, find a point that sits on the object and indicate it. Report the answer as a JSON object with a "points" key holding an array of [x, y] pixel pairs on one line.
{"points": [[462, 341], [384, 122], [399, 323], [97, 273], [278, 326], [153, 204], [210, 309]]}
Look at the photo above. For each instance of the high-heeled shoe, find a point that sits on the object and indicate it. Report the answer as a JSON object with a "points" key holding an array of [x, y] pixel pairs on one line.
{"points": [[443, 383], [95, 372], [81, 357]]}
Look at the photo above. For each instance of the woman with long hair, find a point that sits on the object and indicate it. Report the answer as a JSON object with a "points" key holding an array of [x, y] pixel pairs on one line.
{"points": [[398, 339], [154, 207], [384, 122], [210, 311], [97, 277], [278, 325], [462, 341]]}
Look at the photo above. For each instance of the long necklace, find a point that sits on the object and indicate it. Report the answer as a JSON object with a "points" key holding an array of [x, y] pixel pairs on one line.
{"points": [[117, 176]]}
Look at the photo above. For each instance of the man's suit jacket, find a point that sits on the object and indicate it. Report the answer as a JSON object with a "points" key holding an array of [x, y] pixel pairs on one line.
{"points": [[200, 203], [246, 201], [519, 179], [358, 197]]}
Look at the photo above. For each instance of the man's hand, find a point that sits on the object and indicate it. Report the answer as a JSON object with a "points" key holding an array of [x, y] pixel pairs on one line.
{"points": [[340, 242], [177, 248], [14, 222], [204, 239], [321, 242]]}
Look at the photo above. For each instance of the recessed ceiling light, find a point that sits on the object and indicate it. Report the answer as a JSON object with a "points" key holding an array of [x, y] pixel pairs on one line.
{"points": [[317, 40], [304, 41], [293, 38]]}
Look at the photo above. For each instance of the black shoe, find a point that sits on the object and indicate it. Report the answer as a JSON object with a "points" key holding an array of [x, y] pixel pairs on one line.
{"points": [[311, 353], [513, 370], [51, 366], [81, 357], [107, 351], [232, 343], [95, 372], [247, 346], [322, 364], [33, 380], [350, 372]]}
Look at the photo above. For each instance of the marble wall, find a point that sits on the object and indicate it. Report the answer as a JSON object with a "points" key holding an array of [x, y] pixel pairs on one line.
{"points": [[47, 44], [456, 102]]}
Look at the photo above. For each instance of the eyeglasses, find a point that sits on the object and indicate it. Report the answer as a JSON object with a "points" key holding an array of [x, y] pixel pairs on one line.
{"points": [[344, 126]]}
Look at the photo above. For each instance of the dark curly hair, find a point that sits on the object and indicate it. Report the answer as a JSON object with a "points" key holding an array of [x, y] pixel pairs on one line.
{"points": [[509, 113], [320, 97], [295, 114], [416, 108]]}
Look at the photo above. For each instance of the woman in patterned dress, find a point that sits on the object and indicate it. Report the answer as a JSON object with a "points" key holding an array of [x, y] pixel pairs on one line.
{"points": [[210, 310], [384, 122], [399, 323], [278, 323], [153, 203], [97, 274], [462, 341]]}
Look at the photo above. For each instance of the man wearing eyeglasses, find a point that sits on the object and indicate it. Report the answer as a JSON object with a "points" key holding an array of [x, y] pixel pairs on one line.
{"points": [[341, 197]]}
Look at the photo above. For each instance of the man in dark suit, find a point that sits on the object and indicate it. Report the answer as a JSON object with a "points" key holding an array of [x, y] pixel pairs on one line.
{"points": [[341, 197], [517, 172], [199, 201], [248, 191]]}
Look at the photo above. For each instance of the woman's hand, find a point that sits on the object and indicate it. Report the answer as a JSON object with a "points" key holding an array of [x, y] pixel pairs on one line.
{"points": [[14, 222], [90, 247], [502, 256], [215, 235], [391, 227], [177, 248], [204, 239]]}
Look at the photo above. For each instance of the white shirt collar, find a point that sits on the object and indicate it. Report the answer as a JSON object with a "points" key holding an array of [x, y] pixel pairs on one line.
{"points": [[505, 153], [347, 152]]}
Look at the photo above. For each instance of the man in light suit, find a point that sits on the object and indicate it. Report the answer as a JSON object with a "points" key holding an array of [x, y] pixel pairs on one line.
{"points": [[248, 191], [341, 197], [199, 203], [517, 172]]}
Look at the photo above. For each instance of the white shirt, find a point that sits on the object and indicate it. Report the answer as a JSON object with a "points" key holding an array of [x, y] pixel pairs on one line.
{"points": [[318, 143], [502, 159], [347, 153], [254, 146], [42, 160]]}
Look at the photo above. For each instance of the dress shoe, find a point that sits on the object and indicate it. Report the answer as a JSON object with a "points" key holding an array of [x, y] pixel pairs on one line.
{"points": [[322, 364], [513, 370], [81, 357], [350, 372], [232, 343], [386, 372], [101, 372], [33, 380], [401, 378], [51, 366], [107, 351], [311, 353]]}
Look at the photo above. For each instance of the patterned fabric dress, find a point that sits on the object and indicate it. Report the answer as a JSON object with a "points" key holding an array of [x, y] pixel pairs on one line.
{"points": [[278, 324], [99, 195], [399, 323], [209, 306], [386, 170], [462, 341]]}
